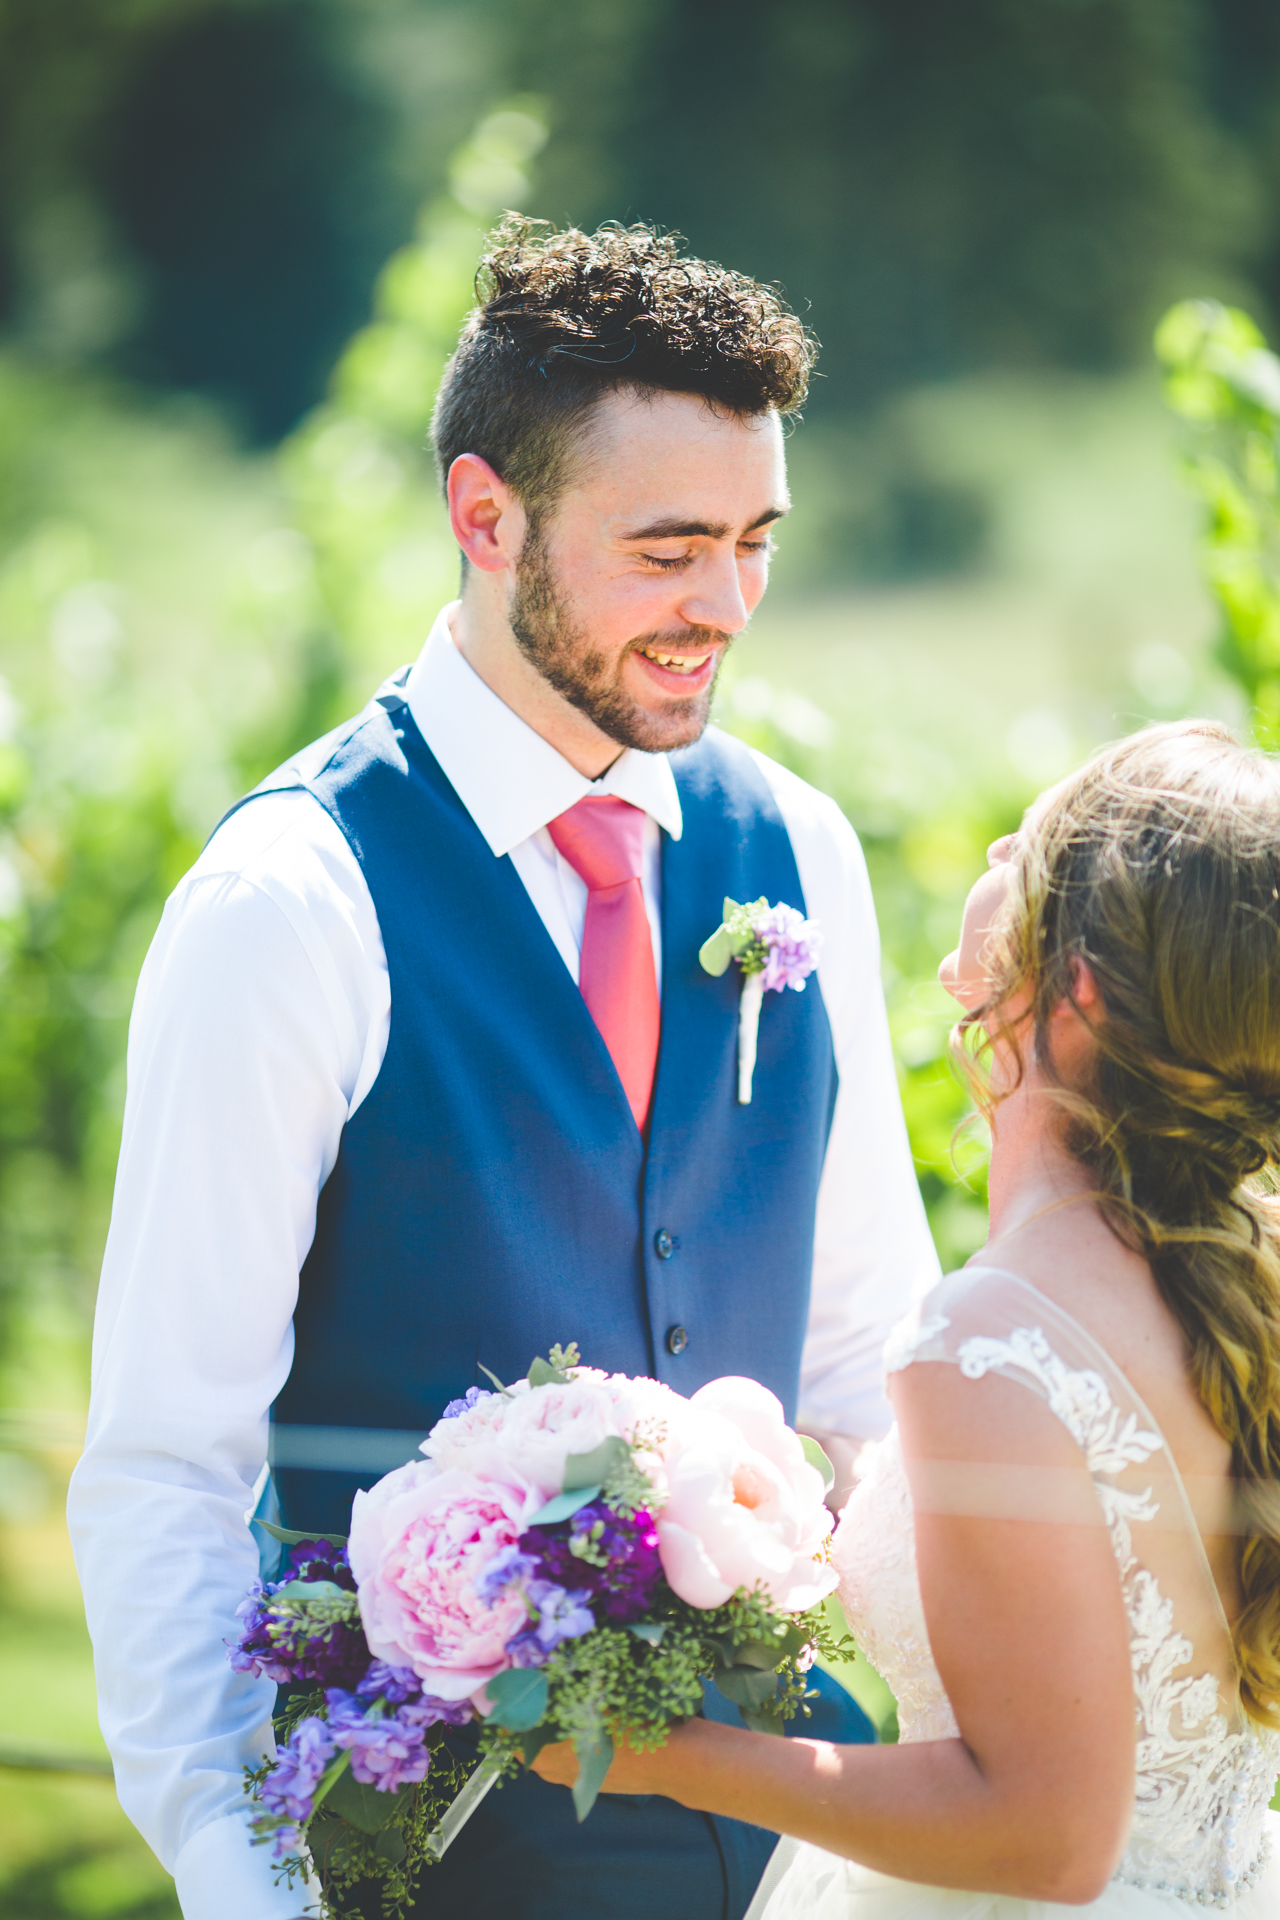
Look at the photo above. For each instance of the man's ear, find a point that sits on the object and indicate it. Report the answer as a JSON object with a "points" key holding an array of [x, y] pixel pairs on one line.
{"points": [[488, 521]]}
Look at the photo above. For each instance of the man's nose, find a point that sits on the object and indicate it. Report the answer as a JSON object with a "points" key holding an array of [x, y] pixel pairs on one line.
{"points": [[715, 598]]}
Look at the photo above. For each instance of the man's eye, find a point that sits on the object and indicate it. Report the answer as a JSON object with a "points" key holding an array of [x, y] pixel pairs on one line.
{"points": [[664, 565], [764, 546]]}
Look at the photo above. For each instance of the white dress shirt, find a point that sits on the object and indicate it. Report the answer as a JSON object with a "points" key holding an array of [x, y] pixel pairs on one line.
{"points": [[260, 1024]]}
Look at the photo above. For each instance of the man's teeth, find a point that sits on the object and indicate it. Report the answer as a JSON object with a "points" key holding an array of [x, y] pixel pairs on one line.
{"points": [[678, 662]]}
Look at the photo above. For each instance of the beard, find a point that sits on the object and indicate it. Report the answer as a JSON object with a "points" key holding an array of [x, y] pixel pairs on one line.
{"points": [[591, 680]]}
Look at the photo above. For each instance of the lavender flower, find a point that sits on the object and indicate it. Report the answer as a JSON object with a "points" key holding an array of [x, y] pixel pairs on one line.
{"points": [[385, 1682], [507, 1565], [791, 946], [468, 1400], [388, 1751], [288, 1789], [556, 1615]]}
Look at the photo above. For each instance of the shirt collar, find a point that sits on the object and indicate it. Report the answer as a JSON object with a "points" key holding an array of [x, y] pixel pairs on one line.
{"points": [[511, 780]]}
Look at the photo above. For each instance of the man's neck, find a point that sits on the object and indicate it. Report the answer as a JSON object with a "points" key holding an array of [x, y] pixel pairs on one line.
{"points": [[482, 634]]}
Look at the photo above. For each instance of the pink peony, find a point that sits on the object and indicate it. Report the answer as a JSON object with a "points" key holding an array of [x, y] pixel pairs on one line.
{"points": [[420, 1543], [530, 1431], [745, 1508]]}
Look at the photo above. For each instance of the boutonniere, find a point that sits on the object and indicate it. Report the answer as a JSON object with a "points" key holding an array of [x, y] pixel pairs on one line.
{"points": [[775, 947]]}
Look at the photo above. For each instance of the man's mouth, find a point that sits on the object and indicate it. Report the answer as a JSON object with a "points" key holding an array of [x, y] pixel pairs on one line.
{"points": [[678, 662]]}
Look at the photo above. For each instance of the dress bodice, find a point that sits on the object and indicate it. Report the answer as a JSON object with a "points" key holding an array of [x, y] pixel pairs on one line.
{"points": [[1205, 1773]]}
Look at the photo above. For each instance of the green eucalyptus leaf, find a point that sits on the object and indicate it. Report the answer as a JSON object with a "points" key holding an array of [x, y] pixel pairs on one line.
{"points": [[519, 1698], [762, 1655], [652, 1632], [594, 1469], [595, 1756], [543, 1374], [535, 1740], [313, 1590], [746, 1686], [814, 1454], [363, 1806], [562, 1505], [491, 1376], [328, 1779], [390, 1846], [291, 1539]]}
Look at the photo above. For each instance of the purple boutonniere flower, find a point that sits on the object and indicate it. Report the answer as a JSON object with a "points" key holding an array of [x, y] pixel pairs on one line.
{"points": [[775, 947]]}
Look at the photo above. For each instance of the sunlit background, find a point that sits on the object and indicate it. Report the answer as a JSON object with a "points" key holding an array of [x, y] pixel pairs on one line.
{"points": [[236, 241]]}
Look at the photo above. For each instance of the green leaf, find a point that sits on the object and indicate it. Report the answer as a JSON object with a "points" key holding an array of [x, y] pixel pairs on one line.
{"points": [[762, 1655], [595, 1756], [362, 1806], [390, 1845], [746, 1686], [650, 1631], [543, 1374], [535, 1740], [291, 1539], [519, 1698], [313, 1590], [491, 1376], [715, 954], [595, 1468], [561, 1505], [817, 1458], [331, 1775]]}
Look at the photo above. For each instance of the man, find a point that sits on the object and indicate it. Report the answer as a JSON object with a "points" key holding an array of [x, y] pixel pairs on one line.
{"points": [[424, 1073]]}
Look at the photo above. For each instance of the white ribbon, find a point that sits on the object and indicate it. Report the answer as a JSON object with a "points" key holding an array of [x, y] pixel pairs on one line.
{"points": [[748, 1032]]}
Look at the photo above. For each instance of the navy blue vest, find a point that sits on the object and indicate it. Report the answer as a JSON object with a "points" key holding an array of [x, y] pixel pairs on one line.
{"points": [[492, 1194]]}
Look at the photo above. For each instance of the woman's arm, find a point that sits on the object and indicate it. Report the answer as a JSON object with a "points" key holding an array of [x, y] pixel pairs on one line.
{"points": [[1028, 1630]]}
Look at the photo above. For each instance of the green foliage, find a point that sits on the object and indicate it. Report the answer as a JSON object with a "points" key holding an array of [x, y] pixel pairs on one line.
{"points": [[1224, 384]]}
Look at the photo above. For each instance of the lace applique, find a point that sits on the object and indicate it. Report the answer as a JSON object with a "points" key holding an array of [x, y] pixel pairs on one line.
{"points": [[907, 1338], [1203, 1786]]}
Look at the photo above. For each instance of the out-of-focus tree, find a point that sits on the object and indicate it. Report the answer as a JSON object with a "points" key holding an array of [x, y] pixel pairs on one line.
{"points": [[1224, 384]]}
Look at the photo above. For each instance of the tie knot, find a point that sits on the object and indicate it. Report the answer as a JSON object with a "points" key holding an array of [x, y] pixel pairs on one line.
{"points": [[602, 839]]}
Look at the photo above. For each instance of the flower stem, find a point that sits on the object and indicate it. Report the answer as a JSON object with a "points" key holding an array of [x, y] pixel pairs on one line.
{"points": [[462, 1809], [748, 1032]]}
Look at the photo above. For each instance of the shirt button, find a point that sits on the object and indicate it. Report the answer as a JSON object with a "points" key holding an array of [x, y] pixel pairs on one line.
{"points": [[663, 1244], [677, 1339]]}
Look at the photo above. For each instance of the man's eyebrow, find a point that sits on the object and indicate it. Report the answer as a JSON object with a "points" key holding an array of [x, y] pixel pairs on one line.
{"points": [[699, 529]]}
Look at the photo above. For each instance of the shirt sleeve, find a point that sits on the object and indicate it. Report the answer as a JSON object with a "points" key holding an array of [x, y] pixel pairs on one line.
{"points": [[259, 1017], [873, 1253]]}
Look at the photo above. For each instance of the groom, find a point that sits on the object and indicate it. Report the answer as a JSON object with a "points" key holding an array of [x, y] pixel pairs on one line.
{"points": [[424, 1073]]}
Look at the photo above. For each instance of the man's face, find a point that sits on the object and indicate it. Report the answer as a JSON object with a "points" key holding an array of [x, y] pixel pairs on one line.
{"points": [[650, 561]]}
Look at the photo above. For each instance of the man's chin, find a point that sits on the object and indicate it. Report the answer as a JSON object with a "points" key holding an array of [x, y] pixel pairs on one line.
{"points": [[661, 729]]}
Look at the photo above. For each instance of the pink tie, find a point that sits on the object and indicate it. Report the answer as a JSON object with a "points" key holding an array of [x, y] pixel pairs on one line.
{"points": [[603, 841]]}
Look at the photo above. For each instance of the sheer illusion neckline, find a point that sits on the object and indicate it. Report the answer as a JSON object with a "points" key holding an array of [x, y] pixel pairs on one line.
{"points": [[1091, 1341]]}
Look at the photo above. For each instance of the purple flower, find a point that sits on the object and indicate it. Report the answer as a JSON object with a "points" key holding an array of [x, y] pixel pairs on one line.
{"points": [[468, 1400], [427, 1710], [558, 1615], [614, 1560], [283, 1647], [385, 1682], [289, 1786], [791, 946], [508, 1564], [388, 1751]]}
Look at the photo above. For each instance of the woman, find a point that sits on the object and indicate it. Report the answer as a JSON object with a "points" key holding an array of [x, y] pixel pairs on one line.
{"points": [[1074, 1527]]}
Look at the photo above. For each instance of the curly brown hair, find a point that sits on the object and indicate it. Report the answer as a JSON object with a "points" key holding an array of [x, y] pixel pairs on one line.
{"points": [[565, 318], [1159, 864]]}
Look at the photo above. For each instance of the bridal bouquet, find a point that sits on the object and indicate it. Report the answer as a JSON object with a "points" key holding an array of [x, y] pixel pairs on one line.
{"points": [[570, 1560]]}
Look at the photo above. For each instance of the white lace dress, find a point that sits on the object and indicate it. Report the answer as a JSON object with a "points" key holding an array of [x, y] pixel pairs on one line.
{"points": [[1202, 1835]]}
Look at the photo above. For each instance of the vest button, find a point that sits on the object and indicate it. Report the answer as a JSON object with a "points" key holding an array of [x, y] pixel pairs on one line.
{"points": [[664, 1246], [677, 1339]]}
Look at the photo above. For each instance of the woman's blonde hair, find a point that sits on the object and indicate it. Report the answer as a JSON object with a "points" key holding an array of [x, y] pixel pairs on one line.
{"points": [[1159, 865]]}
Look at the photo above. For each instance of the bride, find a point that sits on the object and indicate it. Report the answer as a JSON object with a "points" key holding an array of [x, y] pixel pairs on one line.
{"points": [[1065, 1557]]}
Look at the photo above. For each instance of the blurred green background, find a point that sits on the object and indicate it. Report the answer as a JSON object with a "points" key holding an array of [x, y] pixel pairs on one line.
{"points": [[236, 241]]}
